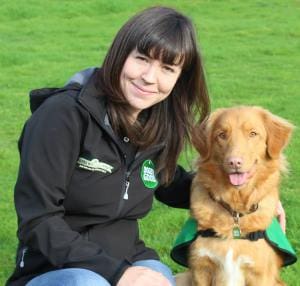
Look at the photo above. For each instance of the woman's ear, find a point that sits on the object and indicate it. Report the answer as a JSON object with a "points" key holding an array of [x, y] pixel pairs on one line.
{"points": [[279, 132], [202, 135]]}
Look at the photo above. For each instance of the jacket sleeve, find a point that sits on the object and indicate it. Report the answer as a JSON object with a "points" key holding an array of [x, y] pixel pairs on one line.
{"points": [[177, 194], [50, 145]]}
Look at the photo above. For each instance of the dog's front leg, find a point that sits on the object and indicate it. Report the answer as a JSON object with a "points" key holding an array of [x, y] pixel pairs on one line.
{"points": [[202, 268], [201, 277], [261, 218]]}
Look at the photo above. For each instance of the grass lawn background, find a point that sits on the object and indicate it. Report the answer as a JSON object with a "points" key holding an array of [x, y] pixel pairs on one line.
{"points": [[252, 56]]}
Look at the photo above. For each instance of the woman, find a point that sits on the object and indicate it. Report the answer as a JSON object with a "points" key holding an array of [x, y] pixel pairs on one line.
{"points": [[95, 152]]}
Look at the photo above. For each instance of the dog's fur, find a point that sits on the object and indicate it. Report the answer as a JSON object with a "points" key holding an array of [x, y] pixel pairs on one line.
{"points": [[239, 167]]}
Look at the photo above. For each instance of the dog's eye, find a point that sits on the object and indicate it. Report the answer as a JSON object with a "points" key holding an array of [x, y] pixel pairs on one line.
{"points": [[253, 134], [222, 135]]}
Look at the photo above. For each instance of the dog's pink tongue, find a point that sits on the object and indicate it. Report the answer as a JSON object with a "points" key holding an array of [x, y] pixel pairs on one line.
{"points": [[238, 179]]}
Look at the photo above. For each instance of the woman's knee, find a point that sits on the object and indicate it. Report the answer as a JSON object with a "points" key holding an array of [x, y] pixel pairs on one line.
{"points": [[69, 277], [157, 266]]}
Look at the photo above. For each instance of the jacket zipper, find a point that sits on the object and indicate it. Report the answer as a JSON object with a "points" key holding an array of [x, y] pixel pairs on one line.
{"points": [[127, 183], [126, 186], [22, 263], [124, 195]]}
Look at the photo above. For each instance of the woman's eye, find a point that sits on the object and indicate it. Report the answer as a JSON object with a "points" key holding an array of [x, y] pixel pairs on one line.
{"points": [[142, 58], [168, 69]]}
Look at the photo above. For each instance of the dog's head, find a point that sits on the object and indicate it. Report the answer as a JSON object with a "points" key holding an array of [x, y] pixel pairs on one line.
{"points": [[239, 139]]}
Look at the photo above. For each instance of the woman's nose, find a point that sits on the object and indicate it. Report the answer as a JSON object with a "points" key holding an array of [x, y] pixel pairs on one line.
{"points": [[149, 74]]}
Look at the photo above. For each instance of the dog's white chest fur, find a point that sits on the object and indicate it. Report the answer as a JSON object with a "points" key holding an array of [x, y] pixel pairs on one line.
{"points": [[230, 268]]}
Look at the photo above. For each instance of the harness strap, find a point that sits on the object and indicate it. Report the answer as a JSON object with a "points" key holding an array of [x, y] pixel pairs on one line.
{"points": [[252, 236]]}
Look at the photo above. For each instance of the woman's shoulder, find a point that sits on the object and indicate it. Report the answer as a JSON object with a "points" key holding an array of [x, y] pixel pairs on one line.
{"points": [[75, 100], [56, 108], [68, 94], [53, 96]]}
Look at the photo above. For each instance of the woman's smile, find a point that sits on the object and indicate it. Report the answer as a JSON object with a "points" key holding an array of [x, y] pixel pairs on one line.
{"points": [[143, 90]]}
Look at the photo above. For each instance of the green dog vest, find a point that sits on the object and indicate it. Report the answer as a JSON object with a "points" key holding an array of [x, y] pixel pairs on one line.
{"points": [[273, 235]]}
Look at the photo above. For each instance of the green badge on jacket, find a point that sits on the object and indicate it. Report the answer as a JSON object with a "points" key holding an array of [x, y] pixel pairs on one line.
{"points": [[148, 174]]}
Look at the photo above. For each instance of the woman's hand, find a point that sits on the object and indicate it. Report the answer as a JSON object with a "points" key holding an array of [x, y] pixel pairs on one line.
{"points": [[138, 275], [281, 216]]}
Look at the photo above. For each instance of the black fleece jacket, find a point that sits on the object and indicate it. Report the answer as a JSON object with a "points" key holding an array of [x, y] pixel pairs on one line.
{"points": [[77, 196]]}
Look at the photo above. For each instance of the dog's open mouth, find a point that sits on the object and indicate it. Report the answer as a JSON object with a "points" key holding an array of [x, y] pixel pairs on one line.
{"points": [[238, 179]]}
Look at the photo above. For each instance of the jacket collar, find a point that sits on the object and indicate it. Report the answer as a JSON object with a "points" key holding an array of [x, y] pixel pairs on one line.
{"points": [[93, 100]]}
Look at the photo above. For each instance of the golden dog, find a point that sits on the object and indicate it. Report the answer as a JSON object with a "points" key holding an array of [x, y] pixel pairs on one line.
{"points": [[234, 194]]}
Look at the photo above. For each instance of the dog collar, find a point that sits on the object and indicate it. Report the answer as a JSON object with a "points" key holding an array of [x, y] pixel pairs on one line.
{"points": [[234, 213]]}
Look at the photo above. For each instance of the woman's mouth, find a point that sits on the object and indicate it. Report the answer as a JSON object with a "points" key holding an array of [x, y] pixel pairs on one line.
{"points": [[142, 89]]}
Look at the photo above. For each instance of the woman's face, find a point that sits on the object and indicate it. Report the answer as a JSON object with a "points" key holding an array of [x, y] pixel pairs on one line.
{"points": [[146, 81]]}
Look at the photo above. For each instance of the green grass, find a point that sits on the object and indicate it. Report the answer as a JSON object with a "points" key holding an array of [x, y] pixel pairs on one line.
{"points": [[252, 56]]}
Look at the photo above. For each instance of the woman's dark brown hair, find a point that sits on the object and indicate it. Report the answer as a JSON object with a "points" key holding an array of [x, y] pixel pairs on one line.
{"points": [[160, 33]]}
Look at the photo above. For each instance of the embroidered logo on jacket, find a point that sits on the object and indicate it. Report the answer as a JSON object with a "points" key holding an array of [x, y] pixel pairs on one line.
{"points": [[148, 174], [94, 165]]}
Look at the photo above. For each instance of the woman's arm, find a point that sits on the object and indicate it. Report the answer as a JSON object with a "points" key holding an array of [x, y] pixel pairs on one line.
{"points": [[177, 194], [50, 145]]}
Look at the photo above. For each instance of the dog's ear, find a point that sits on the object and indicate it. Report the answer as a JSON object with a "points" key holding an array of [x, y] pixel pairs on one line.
{"points": [[279, 132], [202, 135], [200, 139]]}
